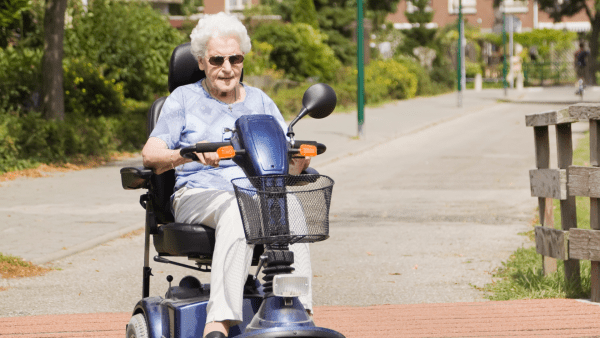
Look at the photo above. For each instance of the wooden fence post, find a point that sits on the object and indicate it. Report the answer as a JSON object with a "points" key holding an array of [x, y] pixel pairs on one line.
{"points": [[546, 205], [595, 207], [568, 212]]}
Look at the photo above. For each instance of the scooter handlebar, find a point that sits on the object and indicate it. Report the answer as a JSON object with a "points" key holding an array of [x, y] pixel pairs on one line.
{"points": [[321, 148], [202, 147], [210, 147]]}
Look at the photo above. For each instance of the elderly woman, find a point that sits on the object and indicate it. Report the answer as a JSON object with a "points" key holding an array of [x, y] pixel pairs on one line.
{"points": [[203, 192]]}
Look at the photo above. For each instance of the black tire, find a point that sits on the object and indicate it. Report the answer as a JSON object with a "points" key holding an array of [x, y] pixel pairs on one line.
{"points": [[137, 327]]}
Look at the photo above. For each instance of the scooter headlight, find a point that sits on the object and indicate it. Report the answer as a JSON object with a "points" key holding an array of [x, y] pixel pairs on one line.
{"points": [[291, 285]]}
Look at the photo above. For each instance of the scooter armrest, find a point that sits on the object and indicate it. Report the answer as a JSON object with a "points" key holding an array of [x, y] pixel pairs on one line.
{"points": [[135, 177]]}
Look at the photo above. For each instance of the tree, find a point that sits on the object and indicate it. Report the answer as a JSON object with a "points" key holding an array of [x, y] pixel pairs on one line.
{"points": [[380, 9], [299, 49], [558, 10], [53, 101], [11, 18], [419, 35], [336, 18], [305, 12]]}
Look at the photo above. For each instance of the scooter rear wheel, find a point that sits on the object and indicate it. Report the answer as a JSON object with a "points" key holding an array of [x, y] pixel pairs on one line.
{"points": [[137, 327]]}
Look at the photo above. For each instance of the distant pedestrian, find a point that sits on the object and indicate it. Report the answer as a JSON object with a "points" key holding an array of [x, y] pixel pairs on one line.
{"points": [[581, 56], [533, 53]]}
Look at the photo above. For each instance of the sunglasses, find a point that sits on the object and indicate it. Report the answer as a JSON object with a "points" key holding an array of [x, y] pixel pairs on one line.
{"points": [[220, 60]]}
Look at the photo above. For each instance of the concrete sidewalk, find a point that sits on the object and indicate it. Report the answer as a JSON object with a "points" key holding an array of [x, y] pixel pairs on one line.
{"points": [[522, 318], [50, 218]]}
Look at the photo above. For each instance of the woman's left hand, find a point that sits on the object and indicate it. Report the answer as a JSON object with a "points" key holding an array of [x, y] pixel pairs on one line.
{"points": [[298, 164]]}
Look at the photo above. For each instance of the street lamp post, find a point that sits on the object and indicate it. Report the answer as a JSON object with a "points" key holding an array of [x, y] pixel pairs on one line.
{"points": [[504, 66], [360, 65], [460, 54]]}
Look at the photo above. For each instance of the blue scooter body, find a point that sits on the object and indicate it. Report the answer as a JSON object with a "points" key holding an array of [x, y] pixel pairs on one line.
{"points": [[265, 145], [170, 318], [261, 150]]}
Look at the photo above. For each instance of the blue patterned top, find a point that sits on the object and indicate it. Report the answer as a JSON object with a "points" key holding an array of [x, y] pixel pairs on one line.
{"points": [[190, 115]]}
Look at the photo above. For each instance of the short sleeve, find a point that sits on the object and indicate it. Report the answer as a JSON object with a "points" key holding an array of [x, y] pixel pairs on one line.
{"points": [[171, 121]]}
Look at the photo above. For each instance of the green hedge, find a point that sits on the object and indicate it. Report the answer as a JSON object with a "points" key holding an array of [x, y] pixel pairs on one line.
{"points": [[129, 41], [88, 92], [30, 139], [389, 79], [20, 78], [299, 49], [384, 81]]}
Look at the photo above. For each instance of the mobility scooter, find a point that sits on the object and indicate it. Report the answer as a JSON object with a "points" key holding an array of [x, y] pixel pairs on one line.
{"points": [[277, 210]]}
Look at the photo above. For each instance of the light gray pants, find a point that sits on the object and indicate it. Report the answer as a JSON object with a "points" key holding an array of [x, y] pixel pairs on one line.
{"points": [[232, 256]]}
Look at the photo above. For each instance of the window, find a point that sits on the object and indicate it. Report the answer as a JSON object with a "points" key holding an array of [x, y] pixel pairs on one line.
{"points": [[468, 6], [237, 5], [410, 8], [515, 6]]}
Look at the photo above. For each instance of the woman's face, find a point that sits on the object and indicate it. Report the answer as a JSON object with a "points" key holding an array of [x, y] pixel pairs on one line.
{"points": [[223, 78]]}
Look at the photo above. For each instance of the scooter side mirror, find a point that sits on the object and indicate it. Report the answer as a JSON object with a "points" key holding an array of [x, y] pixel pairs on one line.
{"points": [[319, 100]]}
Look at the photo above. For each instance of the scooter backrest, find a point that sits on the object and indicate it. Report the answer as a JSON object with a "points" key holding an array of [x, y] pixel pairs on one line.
{"points": [[183, 67], [153, 114], [183, 70]]}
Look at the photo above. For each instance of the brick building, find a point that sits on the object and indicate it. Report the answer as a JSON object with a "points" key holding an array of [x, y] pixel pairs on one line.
{"points": [[481, 13]]}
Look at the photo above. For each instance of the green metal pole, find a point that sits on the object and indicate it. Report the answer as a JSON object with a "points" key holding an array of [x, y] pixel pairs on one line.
{"points": [[459, 54], [361, 70], [504, 63]]}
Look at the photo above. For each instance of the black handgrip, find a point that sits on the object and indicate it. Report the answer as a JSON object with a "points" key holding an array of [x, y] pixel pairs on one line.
{"points": [[321, 148], [202, 147]]}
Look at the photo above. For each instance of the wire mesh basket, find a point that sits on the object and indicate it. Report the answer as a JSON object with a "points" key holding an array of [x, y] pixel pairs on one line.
{"points": [[284, 209]]}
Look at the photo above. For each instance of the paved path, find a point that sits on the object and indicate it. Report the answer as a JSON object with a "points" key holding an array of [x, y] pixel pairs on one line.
{"points": [[70, 212], [522, 318], [51, 219]]}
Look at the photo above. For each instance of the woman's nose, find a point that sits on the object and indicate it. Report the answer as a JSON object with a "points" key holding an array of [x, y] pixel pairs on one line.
{"points": [[227, 65]]}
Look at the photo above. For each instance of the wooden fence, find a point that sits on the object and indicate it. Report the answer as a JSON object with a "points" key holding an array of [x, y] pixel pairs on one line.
{"points": [[569, 244]]}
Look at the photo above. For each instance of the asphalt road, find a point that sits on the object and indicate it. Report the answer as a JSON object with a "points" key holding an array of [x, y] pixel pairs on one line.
{"points": [[421, 213]]}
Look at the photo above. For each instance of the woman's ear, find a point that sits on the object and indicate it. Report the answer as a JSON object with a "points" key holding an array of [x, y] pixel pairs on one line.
{"points": [[201, 64]]}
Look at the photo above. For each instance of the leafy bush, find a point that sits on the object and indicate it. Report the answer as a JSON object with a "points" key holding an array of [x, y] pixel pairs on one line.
{"points": [[30, 139], [89, 93], [343, 48], [9, 149], [561, 41], [425, 86], [289, 99], [472, 69], [305, 12], [299, 50], [131, 42], [20, 78], [257, 61], [389, 79]]}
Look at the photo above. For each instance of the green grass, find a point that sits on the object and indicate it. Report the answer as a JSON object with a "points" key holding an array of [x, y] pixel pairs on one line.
{"points": [[15, 267], [521, 277], [13, 260]]}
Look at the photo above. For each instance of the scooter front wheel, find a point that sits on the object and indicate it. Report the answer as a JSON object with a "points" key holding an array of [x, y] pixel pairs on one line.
{"points": [[137, 327], [293, 332]]}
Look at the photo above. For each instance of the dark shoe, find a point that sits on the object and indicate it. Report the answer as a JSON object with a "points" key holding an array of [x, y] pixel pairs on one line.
{"points": [[215, 334]]}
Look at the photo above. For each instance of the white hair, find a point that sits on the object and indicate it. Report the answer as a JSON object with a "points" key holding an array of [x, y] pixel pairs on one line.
{"points": [[219, 24]]}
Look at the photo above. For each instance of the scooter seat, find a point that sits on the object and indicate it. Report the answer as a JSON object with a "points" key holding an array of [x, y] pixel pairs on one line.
{"points": [[182, 239]]}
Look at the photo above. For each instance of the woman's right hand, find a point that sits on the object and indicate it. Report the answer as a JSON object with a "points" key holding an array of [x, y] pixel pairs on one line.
{"points": [[211, 159]]}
